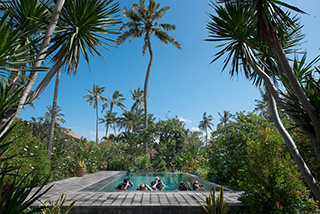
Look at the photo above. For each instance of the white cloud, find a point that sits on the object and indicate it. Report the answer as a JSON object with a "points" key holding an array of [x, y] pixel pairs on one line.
{"points": [[195, 129], [185, 120]]}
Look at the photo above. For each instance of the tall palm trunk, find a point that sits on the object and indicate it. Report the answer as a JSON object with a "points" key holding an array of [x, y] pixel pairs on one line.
{"points": [[107, 126], [53, 116], [206, 136], [97, 126], [33, 75], [310, 180], [146, 87], [114, 129]]}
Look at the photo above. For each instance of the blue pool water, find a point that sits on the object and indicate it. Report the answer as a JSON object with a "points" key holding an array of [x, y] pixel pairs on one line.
{"points": [[171, 180]]}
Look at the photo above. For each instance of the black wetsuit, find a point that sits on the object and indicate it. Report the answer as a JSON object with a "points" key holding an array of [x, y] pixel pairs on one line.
{"points": [[158, 186]]}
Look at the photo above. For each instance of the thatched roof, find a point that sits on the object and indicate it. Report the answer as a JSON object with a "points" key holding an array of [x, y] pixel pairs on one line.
{"points": [[70, 133]]}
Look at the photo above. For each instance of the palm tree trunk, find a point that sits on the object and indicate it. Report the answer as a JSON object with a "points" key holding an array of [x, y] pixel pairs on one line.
{"points": [[296, 86], [114, 129], [298, 120], [310, 180], [107, 126], [53, 116], [97, 126], [146, 87], [206, 136], [40, 58]]}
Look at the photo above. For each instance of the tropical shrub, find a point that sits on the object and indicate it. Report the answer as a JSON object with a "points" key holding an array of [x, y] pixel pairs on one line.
{"points": [[228, 152], [270, 178], [145, 163]]}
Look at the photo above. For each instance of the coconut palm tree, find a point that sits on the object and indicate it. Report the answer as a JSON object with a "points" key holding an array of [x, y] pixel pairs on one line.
{"points": [[110, 119], [257, 34], [117, 99], [206, 123], [129, 121], [224, 119], [143, 22], [59, 116], [93, 97], [137, 97]]}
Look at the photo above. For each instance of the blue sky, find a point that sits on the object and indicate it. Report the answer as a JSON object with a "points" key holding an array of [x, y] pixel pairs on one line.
{"points": [[182, 82]]}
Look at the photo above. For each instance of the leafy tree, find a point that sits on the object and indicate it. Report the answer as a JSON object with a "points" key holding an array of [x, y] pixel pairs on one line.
{"points": [[143, 22], [206, 123], [93, 97], [271, 180]]}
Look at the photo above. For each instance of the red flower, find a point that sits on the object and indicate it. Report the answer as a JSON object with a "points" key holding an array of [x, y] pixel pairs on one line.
{"points": [[276, 130], [5, 191], [283, 147], [303, 137]]}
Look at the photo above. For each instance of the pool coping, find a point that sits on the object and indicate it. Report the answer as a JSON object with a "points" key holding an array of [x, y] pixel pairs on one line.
{"points": [[126, 201]]}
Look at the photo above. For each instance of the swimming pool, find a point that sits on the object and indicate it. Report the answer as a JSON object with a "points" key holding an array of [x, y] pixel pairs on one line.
{"points": [[171, 180]]}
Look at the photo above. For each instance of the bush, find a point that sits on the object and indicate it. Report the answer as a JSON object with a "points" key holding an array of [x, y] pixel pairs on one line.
{"points": [[144, 163], [271, 180]]}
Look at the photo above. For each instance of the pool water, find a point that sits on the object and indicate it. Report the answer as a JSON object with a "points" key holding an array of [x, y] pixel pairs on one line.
{"points": [[171, 180]]}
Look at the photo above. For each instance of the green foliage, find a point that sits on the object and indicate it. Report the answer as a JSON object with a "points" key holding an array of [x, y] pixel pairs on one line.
{"points": [[168, 138], [214, 206], [144, 163], [81, 163], [270, 178], [228, 153], [15, 196], [159, 165], [56, 207]]}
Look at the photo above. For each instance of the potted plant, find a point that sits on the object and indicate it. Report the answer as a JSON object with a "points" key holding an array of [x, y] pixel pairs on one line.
{"points": [[81, 169]]}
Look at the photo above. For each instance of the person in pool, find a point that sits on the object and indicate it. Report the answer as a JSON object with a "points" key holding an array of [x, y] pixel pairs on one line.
{"points": [[125, 184], [184, 186], [196, 186], [157, 184], [144, 187]]}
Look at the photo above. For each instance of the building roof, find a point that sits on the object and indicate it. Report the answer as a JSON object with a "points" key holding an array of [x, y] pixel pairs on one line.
{"points": [[69, 132]]}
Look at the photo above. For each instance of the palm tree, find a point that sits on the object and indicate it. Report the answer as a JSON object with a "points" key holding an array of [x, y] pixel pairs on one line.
{"points": [[53, 116], [143, 22], [129, 121], [117, 99], [93, 97], [77, 35], [257, 34], [206, 123], [263, 105], [11, 116], [137, 97], [110, 119], [224, 119], [58, 118]]}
